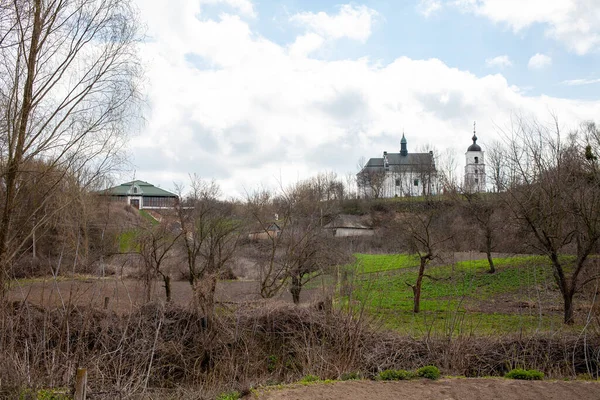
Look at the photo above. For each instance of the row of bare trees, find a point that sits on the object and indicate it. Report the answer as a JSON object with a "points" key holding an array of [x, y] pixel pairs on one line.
{"points": [[285, 231]]}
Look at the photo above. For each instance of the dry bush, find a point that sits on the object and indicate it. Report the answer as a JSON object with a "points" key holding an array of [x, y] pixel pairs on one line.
{"points": [[158, 348]]}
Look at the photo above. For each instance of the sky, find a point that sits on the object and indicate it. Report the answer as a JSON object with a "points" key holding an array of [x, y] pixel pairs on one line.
{"points": [[263, 93]]}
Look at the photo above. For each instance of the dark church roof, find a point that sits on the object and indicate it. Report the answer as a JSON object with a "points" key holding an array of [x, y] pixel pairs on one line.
{"points": [[474, 146], [395, 159], [403, 161]]}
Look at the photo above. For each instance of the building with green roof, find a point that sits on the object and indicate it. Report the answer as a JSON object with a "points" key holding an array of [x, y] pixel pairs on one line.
{"points": [[142, 195]]}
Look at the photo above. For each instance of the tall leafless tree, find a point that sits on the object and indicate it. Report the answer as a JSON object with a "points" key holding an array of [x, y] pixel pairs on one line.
{"points": [[556, 198], [68, 84]]}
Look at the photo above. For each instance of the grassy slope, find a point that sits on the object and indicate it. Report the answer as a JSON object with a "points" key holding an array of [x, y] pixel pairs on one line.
{"points": [[460, 299]]}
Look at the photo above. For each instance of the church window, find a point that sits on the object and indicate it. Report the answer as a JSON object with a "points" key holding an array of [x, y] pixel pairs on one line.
{"points": [[397, 182], [416, 182], [476, 160], [135, 189]]}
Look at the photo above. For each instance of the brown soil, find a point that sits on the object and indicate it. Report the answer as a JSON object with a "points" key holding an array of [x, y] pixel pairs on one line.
{"points": [[444, 389], [125, 294]]}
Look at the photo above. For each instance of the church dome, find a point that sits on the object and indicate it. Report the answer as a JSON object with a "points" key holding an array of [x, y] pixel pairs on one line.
{"points": [[474, 146]]}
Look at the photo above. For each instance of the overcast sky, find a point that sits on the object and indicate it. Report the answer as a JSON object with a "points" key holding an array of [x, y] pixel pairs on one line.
{"points": [[253, 92]]}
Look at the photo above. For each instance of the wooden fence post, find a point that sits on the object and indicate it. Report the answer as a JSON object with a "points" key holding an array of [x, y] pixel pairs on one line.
{"points": [[80, 384]]}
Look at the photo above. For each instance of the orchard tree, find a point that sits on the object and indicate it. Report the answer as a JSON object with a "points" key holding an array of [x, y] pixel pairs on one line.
{"points": [[556, 198], [155, 244], [211, 231]]}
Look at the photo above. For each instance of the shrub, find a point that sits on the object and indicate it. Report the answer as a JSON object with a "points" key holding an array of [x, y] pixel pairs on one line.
{"points": [[525, 374], [271, 363], [310, 378], [233, 395], [395, 375], [350, 376], [429, 372]]}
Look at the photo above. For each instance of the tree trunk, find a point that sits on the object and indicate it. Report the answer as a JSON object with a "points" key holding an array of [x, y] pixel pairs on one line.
{"points": [[167, 284], [205, 290], [295, 289], [417, 287], [16, 153], [568, 307], [488, 251]]}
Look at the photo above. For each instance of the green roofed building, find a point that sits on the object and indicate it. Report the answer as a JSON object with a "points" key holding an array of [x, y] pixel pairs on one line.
{"points": [[142, 195]]}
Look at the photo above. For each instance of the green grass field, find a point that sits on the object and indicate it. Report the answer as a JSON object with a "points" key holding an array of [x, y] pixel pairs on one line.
{"points": [[462, 298]]}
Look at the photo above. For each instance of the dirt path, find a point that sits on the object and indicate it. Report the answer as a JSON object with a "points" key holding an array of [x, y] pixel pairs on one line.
{"points": [[444, 389]]}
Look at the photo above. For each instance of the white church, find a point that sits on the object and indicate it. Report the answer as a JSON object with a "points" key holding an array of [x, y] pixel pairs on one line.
{"points": [[414, 174]]}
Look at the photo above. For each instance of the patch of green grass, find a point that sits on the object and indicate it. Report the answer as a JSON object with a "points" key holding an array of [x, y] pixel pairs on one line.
{"points": [[148, 217], [233, 395], [454, 298], [466, 323], [372, 263], [525, 374], [127, 241], [45, 394]]}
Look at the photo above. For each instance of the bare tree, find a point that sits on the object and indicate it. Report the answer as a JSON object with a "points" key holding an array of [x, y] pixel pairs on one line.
{"points": [[482, 210], [371, 182], [269, 223], [67, 82], [422, 231], [301, 249], [498, 166], [307, 249], [210, 235], [155, 244], [556, 198], [446, 166]]}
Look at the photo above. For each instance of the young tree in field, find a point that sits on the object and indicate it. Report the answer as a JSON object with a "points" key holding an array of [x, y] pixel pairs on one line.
{"points": [[155, 243], [210, 236], [302, 249], [423, 232], [482, 210], [556, 198], [67, 84], [263, 214], [307, 249]]}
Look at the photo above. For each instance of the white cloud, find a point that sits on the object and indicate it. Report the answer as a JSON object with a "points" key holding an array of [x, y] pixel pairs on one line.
{"points": [[244, 7], [353, 22], [429, 7], [580, 82], [539, 61], [227, 103], [499, 61], [575, 23], [306, 44]]}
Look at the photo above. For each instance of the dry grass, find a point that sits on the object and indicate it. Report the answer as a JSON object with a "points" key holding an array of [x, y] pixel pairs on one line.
{"points": [[159, 349]]}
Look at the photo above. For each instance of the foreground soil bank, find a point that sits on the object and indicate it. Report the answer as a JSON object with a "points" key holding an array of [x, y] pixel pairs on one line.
{"points": [[443, 389]]}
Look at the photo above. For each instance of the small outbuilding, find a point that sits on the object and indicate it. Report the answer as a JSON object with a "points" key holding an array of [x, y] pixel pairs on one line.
{"points": [[142, 195], [269, 231], [345, 225]]}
